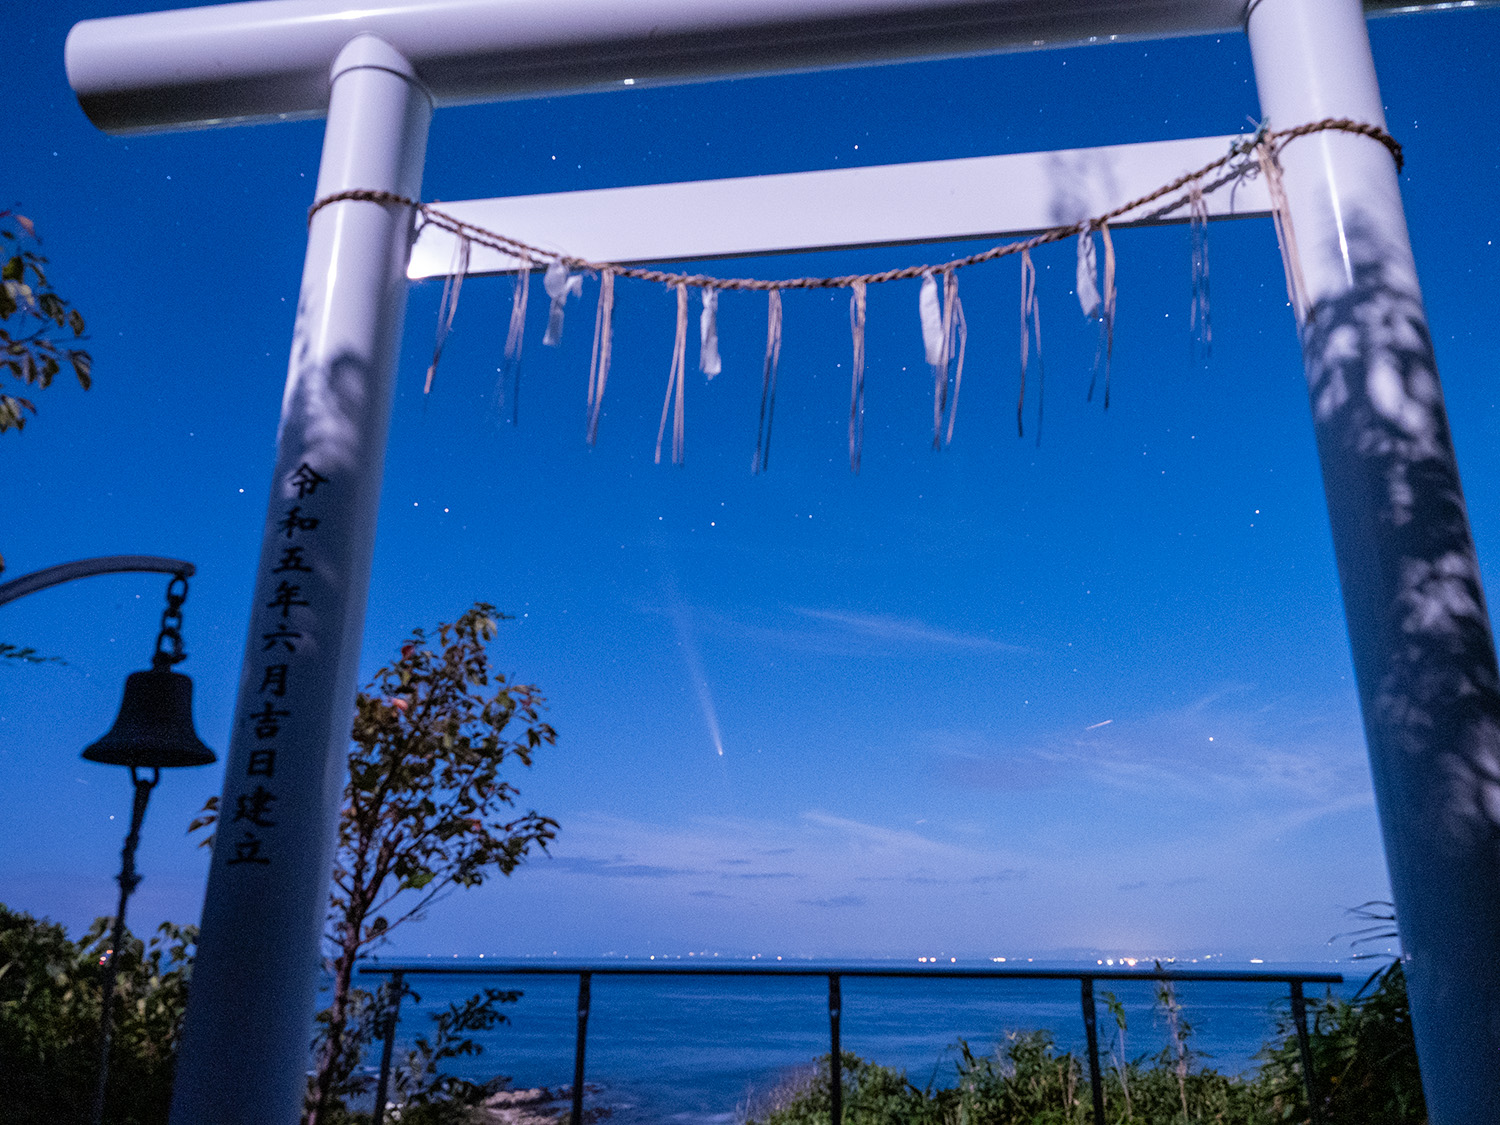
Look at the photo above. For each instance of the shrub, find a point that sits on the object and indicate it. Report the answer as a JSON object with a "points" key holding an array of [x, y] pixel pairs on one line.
{"points": [[50, 988], [1364, 1059], [872, 1095]]}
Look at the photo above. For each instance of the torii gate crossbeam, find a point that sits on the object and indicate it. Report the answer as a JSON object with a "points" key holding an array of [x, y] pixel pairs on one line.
{"points": [[1420, 634]]}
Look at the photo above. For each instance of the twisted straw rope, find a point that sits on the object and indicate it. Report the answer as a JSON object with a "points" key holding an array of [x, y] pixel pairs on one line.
{"points": [[1275, 140]]}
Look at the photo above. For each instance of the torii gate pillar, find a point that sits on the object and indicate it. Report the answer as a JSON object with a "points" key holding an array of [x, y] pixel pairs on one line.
{"points": [[255, 976], [1424, 656]]}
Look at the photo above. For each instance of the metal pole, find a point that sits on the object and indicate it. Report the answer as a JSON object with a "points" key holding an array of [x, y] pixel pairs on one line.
{"points": [[1424, 655], [88, 568], [580, 1042], [250, 1012], [835, 1059], [128, 880], [396, 987], [1091, 1033], [1304, 1048]]}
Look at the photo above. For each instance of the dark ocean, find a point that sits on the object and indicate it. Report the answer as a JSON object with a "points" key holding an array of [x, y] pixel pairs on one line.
{"points": [[700, 1050]]}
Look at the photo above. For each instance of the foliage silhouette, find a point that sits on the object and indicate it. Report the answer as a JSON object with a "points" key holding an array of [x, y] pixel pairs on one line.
{"points": [[49, 1021], [32, 314]]}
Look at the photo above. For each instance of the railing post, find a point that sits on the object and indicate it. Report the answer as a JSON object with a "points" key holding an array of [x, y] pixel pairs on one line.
{"points": [[396, 988], [1304, 1048], [579, 1044], [1091, 1033], [835, 1059]]}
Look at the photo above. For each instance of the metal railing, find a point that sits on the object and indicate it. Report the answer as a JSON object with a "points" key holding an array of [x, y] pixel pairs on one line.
{"points": [[399, 971]]}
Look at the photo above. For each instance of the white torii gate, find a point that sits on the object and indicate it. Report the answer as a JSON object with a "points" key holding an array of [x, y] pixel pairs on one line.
{"points": [[1420, 634]]}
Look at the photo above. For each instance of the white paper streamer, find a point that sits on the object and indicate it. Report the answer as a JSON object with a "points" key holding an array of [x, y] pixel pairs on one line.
{"points": [[1200, 327], [762, 459], [603, 341], [1088, 275], [676, 378], [448, 306], [560, 285], [510, 368], [1031, 330], [931, 312], [1104, 353], [1286, 234], [955, 342], [708, 327], [857, 385]]}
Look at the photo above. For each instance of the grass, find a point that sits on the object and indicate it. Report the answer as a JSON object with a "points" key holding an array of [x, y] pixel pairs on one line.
{"points": [[1364, 1063]]}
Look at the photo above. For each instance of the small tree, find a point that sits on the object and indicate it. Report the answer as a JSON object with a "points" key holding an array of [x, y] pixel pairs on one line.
{"points": [[31, 313], [425, 811]]}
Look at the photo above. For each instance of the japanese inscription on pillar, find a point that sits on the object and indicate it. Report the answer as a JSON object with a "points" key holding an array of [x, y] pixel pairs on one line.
{"points": [[251, 821]]}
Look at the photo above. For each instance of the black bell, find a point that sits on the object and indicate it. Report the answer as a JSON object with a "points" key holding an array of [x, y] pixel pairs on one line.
{"points": [[155, 725]]}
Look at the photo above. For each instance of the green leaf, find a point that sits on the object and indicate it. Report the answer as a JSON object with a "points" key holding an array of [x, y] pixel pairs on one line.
{"points": [[11, 416], [27, 654], [417, 880], [83, 365]]}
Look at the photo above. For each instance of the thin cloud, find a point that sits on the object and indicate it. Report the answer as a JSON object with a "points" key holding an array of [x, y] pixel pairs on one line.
{"points": [[835, 903], [1164, 884], [617, 868], [757, 875], [881, 627], [1227, 748]]}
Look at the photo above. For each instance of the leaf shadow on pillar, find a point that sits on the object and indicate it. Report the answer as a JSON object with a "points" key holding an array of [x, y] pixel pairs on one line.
{"points": [[1425, 658]]}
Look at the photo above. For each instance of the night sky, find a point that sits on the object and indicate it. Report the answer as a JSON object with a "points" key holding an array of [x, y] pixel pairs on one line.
{"points": [[1086, 697]]}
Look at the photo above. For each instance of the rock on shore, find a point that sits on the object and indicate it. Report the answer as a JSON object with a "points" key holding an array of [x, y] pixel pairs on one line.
{"points": [[537, 1106]]}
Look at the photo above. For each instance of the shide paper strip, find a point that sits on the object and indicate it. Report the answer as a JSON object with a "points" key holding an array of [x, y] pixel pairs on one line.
{"points": [[1104, 351], [448, 306], [1031, 329], [857, 386], [708, 334], [768, 382], [1088, 275], [945, 336], [1200, 328], [560, 285], [603, 345], [676, 378], [1286, 234], [510, 370], [955, 343]]}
